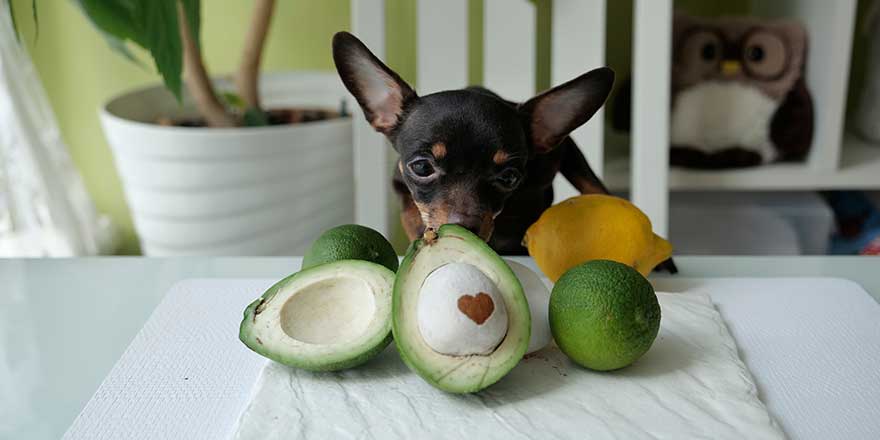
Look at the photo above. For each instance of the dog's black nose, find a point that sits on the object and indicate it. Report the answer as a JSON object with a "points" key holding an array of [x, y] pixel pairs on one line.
{"points": [[473, 223]]}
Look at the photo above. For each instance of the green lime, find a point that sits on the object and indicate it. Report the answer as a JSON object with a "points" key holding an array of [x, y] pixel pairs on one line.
{"points": [[351, 242], [604, 315]]}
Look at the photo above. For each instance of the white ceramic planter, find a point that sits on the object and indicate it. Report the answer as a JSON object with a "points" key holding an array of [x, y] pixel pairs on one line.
{"points": [[233, 191]]}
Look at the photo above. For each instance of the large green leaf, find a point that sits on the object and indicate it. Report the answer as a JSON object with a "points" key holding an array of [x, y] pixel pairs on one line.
{"points": [[15, 24], [115, 23], [157, 23], [151, 24], [120, 47], [114, 17], [12, 17]]}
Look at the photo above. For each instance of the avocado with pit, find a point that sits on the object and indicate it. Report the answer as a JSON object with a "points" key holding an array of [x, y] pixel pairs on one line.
{"points": [[326, 318], [460, 319]]}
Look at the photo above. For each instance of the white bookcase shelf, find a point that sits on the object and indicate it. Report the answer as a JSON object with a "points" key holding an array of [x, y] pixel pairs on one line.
{"points": [[859, 168], [578, 32], [832, 164]]}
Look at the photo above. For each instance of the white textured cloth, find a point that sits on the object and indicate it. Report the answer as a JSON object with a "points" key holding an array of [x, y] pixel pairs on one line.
{"points": [[691, 384]]}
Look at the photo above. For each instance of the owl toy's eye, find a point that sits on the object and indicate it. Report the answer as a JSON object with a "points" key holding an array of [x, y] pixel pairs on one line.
{"points": [[699, 52], [765, 55], [709, 51], [755, 54]]}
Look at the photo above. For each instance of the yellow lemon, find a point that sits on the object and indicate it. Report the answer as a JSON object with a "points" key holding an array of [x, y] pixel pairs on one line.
{"points": [[594, 227]]}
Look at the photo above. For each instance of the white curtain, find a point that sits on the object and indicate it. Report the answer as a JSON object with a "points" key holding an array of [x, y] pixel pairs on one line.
{"points": [[44, 207]]}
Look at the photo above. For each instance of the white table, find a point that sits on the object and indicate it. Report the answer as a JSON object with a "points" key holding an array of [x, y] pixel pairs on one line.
{"points": [[82, 313]]}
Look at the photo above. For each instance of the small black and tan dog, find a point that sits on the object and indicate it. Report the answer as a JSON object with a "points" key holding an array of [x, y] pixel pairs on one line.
{"points": [[468, 156]]}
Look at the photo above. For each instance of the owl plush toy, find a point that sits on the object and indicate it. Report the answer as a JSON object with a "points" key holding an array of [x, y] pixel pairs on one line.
{"points": [[738, 92]]}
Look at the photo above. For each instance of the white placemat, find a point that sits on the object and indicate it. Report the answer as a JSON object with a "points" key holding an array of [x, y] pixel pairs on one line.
{"points": [[691, 384], [185, 375], [812, 344]]}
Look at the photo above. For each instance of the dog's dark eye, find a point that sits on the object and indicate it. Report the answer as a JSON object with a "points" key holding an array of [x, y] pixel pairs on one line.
{"points": [[509, 178], [421, 168]]}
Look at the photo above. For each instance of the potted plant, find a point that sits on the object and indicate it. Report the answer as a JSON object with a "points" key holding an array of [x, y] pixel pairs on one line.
{"points": [[256, 165]]}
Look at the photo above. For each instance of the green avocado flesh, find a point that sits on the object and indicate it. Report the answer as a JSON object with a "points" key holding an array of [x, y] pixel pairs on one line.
{"points": [[457, 374], [325, 318]]}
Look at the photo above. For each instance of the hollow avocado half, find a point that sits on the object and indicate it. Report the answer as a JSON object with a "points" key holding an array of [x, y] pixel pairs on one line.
{"points": [[326, 318], [457, 374]]}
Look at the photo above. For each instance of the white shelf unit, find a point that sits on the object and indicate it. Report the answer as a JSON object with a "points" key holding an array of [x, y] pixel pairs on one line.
{"points": [[858, 168], [835, 161], [371, 154], [578, 45]]}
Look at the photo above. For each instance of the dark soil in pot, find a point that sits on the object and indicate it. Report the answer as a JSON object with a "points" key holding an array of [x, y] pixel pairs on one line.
{"points": [[285, 116]]}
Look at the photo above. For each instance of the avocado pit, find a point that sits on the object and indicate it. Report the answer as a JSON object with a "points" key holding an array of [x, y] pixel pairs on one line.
{"points": [[457, 312], [460, 318], [479, 308]]}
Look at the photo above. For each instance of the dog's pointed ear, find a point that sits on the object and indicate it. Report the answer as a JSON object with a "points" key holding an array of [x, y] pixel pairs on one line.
{"points": [[554, 114], [380, 92]]}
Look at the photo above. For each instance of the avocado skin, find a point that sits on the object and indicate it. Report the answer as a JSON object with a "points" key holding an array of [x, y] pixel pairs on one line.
{"points": [[459, 233], [351, 242]]}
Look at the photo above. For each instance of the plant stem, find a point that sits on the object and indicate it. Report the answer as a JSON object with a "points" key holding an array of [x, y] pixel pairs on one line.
{"points": [[197, 80], [247, 79]]}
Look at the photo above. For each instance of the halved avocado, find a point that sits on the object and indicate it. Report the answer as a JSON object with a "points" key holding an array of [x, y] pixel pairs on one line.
{"points": [[457, 373], [325, 318]]}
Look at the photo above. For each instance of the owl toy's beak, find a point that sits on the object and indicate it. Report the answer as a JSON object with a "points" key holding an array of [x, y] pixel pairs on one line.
{"points": [[730, 67]]}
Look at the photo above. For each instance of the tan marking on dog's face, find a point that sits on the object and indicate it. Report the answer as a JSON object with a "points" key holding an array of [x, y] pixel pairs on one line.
{"points": [[500, 157], [424, 212], [411, 219], [434, 214], [488, 226], [438, 150], [400, 166], [438, 213]]}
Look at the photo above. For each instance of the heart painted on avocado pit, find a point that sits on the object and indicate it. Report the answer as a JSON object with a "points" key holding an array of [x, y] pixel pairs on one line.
{"points": [[478, 308]]}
